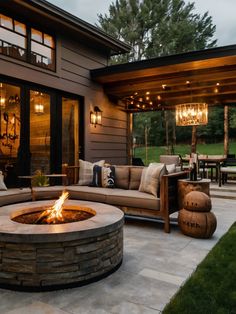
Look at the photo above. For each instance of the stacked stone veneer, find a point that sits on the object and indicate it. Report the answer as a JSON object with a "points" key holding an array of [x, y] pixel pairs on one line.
{"points": [[35, 265]]}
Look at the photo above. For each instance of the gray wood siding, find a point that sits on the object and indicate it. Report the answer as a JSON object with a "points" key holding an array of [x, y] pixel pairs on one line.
{"points": [[108, 141]]}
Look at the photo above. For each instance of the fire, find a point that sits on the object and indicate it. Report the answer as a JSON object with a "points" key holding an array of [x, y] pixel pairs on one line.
{"points": [[54, 214]]}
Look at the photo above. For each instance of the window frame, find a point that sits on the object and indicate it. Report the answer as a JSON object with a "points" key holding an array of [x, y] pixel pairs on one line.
{"points": [[28, 40]]}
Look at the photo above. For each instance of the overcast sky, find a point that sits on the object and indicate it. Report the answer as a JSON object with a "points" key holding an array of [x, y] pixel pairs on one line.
{"points": [[222, 11]]}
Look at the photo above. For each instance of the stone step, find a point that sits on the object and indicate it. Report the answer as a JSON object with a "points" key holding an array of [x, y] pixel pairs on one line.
{"points": [[223, 194], [227, 191]]}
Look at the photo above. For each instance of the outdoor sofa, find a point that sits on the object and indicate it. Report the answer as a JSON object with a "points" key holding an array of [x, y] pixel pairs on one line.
{"points": [[125, 194]]}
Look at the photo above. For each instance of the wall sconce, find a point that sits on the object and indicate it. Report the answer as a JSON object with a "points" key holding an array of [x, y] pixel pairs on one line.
{"points": [[96, 116], [39, 109], [39, 106]]}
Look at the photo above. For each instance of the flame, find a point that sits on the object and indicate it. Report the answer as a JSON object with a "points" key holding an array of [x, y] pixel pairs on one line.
{"points": [[54, 213]]}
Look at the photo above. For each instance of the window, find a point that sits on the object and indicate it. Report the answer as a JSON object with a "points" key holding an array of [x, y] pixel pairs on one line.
{"points": [[42, 49], [13, 43], [12, 38]]}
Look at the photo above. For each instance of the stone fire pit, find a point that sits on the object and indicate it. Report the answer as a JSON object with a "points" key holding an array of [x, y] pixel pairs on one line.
{"points": [[48, 257]]}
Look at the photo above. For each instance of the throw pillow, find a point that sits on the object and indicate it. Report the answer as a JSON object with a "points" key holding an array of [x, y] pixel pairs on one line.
{"points": [[86, 171], [2, 184], [150, 178], [103, 177]]}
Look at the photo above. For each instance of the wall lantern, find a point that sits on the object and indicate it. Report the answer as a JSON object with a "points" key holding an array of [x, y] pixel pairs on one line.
{"points": [[191, 114], [96, 116], [39, 106]]}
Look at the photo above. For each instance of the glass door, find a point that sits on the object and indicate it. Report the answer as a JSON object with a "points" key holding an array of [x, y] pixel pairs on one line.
{"points": [[70, 131], [40, 135], [10, 129]]}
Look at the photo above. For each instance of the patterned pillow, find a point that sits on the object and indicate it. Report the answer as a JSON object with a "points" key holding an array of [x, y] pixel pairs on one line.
{"points": [[150, 178], [86, 171], [103, 177]]}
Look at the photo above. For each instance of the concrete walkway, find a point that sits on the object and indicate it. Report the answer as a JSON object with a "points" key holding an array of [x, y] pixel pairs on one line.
{"points": [[155, 265]]}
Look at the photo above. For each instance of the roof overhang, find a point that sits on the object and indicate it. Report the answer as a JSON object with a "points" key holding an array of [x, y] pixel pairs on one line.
{"points": [[199, 76], [58, 19]]}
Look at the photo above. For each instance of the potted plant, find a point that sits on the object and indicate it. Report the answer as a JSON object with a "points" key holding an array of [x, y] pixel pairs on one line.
{"points": [[39, 179]]}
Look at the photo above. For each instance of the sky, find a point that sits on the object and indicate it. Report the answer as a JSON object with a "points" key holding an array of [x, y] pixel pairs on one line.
{"points": [[222, 12]]}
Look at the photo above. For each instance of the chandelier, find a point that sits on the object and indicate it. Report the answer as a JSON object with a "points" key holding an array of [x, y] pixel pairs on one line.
{"points": [[191, 114]]}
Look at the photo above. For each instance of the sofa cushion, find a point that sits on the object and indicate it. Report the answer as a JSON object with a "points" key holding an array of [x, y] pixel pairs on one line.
{"points": [[135, 177], [15, 196], [150, 178], [103, 176], [48, 192], [86, 171], [122, 177], [132, 198], [88, 193]]}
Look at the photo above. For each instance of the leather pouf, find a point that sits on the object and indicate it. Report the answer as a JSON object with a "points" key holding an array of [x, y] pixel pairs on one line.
{"points": [[196, 219], [197, 224], [197, 201]]}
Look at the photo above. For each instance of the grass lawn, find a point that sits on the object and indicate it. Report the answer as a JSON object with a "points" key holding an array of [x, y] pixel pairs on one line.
{"points": [[154, 152], [212, 287]]}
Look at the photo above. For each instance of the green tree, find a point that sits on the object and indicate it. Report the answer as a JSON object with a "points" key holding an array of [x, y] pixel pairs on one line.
{"points": [[157, 28]]}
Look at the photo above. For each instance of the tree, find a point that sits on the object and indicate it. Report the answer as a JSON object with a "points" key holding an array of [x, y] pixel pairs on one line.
{"points": [[157, 28]]}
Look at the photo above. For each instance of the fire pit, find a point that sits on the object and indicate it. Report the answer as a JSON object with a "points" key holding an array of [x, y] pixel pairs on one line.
{"points": [[36, 257]]}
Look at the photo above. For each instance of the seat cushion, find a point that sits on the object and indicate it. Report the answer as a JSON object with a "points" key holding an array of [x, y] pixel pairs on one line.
{"points": [[132, 198], [88, 193], [15, 196], [48, 192]]}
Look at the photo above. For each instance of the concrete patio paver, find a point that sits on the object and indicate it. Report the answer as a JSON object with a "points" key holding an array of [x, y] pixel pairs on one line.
{"points": [[155, 265]]}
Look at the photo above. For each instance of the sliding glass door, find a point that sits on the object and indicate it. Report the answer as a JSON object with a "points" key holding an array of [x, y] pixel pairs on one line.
{"points": [[40, 135], [70, 131]]}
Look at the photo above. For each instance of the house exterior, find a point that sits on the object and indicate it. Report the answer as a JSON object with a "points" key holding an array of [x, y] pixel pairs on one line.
{"points": [[47, 94]]}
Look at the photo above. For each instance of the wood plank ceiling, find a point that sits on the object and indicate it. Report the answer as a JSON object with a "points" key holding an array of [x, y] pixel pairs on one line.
{"points": [[200, 76]]}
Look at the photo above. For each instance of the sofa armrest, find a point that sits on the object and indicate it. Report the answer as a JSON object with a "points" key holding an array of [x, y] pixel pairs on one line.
{"points": [[169, 195]]}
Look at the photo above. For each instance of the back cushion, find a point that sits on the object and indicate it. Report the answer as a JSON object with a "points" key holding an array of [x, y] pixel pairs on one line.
{"points": [[122, 177], [135, 177]]}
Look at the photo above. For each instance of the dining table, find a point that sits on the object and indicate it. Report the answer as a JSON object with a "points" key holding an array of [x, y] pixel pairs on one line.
{"points": [[206, 161]]}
